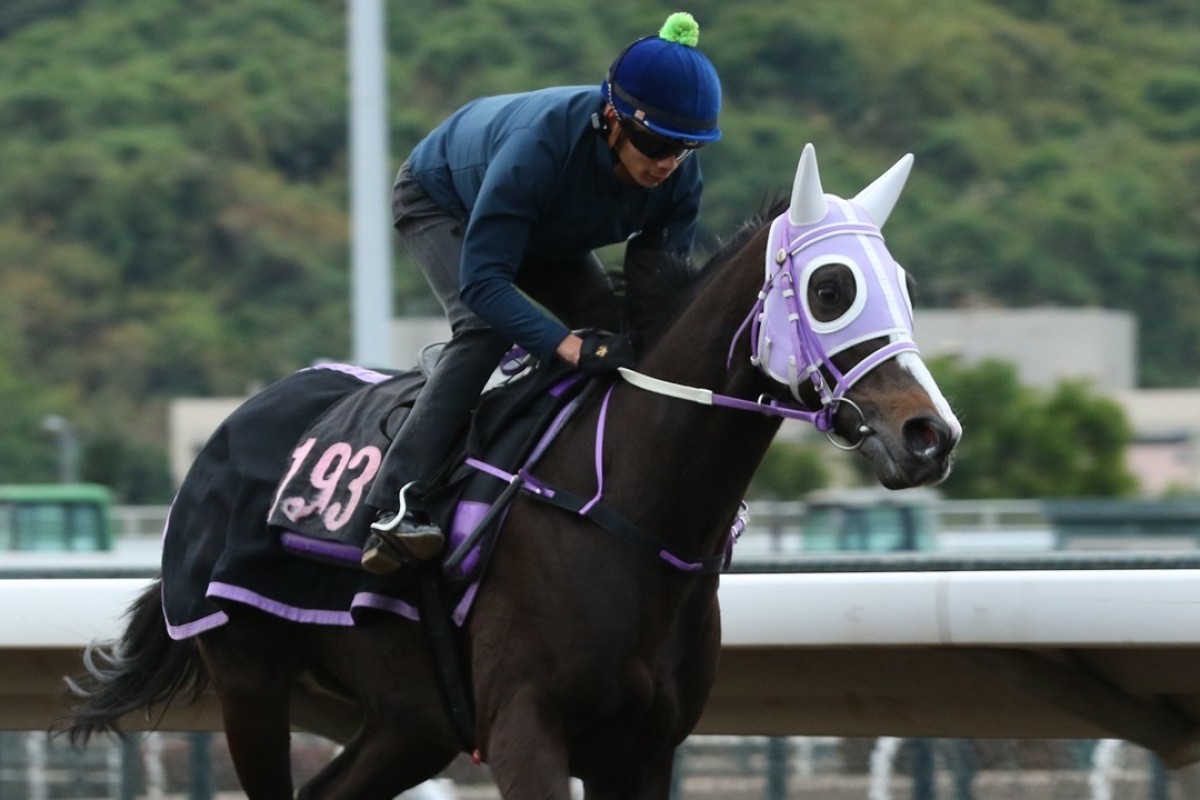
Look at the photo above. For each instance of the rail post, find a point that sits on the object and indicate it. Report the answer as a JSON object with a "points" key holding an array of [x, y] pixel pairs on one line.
{"points": [[924, 785], [200, 766], [131, 767], [778, 767], [1160, 779]]}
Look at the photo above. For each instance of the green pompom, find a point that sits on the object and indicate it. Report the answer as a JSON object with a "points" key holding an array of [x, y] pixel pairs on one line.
{"points": [[681, 27]]}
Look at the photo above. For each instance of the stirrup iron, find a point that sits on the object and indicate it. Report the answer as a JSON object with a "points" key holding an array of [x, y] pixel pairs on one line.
{"points": [[389, 525]]}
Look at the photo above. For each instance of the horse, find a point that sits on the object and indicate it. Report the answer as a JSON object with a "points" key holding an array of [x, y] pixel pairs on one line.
{"points": [[588, 657]]}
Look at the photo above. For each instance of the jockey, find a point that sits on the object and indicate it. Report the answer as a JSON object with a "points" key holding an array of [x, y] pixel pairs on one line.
{"points": [[505, 201]]}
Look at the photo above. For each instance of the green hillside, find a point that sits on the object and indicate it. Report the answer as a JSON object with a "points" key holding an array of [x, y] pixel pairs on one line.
{"points": [[173, 174]]}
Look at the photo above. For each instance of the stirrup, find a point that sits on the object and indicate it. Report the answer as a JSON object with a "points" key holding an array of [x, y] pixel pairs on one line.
{"points": [[390, 524]]}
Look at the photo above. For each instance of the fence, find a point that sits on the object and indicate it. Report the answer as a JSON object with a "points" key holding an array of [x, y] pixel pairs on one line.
{"points": [[196, 766], [776, 525]]}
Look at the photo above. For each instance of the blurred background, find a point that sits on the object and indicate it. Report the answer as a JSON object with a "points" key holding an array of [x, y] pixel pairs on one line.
{"points": [[175, 233]]}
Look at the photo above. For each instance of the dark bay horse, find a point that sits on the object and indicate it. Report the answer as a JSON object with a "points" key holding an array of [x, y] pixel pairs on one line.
{"points": [[588, 657]]}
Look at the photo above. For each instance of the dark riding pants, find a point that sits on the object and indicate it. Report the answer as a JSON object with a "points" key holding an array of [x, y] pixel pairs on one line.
{"points": [[576, 290]]}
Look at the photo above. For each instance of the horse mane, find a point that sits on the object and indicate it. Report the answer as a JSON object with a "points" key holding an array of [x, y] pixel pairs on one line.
{"points": [[660, 285]]}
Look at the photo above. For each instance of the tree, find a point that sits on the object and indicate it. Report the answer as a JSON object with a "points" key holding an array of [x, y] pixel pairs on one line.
{"points": [[789, 471], [137, 474], [173, 207], [29, 451], [1021, 442]]}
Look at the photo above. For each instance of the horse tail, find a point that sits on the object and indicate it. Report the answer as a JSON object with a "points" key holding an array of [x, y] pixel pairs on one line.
{"points": [[144, 668]]}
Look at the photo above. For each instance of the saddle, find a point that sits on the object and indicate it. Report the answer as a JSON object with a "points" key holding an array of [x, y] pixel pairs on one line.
{"points": [[319, 509]]}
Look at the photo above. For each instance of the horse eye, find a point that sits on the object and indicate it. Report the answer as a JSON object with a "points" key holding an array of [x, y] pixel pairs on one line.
{"points": [[827, 292], [832, 288]]}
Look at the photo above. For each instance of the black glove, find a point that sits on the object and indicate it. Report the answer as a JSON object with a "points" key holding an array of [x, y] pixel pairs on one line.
{"points": [[604, 353]]}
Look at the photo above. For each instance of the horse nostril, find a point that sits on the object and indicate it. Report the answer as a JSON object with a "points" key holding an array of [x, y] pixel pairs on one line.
{"points": [[926, 437]]}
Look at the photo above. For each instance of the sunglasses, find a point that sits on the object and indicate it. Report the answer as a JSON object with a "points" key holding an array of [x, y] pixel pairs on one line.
{"points": [[653, 146]]}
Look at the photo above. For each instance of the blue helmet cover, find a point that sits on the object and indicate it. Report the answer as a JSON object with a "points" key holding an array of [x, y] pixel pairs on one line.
{"points": [[668, 86]]}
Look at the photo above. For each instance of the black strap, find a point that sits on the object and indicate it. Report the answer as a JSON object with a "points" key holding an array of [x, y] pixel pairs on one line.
{"points": [[448, 661], [455, 559], [626, 531]]}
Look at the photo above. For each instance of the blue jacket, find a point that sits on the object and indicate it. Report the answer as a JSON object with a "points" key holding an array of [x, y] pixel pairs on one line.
{"points": [[530, 175]]}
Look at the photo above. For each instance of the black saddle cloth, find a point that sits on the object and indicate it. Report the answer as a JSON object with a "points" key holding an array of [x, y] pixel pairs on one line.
{"points": [[217, 550], [334, 462], [302, 453]]}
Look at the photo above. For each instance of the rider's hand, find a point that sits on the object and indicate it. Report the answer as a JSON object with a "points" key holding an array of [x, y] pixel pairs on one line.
{"points": [[604, 353], [568, 349]]}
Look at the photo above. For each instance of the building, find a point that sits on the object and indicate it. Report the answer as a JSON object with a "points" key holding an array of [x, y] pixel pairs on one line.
{"points": [[1165, 457], [1047, 345]]}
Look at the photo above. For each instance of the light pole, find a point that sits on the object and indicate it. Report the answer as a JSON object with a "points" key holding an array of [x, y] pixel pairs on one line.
{"points": [[370, 184], [68, 447]]}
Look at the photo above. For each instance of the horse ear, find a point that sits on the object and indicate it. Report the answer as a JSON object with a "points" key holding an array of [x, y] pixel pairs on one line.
{"points": [[880, 197], [808, 198]]}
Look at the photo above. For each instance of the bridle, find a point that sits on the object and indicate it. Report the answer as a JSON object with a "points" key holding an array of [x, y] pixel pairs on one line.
{"points": [[790, 345]]}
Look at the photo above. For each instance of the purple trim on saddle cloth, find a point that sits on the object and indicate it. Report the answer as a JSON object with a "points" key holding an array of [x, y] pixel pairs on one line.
{"points": [[364, 374], [313, 616], [381, 603], [195, 627], [179, 632], [316, 616], [300, 545]]}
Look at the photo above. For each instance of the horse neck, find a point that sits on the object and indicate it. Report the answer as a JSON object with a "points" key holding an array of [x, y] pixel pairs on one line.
{"points": [[679, 468], [695, 349]]}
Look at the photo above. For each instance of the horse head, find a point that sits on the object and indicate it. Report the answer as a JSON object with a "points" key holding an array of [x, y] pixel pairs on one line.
{"points": [[833, 323]]}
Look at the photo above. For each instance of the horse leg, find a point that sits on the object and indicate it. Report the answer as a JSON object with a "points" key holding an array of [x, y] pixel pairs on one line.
{"points": [[526, 750], [402, 737], [335, 718], [251, 675], [378, 764], [652, 783]]}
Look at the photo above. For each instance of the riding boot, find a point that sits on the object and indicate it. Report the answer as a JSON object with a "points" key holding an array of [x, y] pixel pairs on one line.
{"points": [[403, 531], [401, 536]]}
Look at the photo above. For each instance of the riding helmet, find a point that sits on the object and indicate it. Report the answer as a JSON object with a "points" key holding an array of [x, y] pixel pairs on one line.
{"points": [[668, 85]]}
